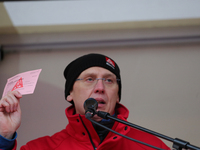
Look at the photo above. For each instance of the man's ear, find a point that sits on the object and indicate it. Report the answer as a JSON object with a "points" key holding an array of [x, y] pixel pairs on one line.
{"points": [[69, 98], [118, 99]]}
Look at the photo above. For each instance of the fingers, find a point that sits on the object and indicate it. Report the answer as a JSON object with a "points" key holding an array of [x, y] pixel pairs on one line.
{"points": [[10, 102], [2, 109], [17, 94]]}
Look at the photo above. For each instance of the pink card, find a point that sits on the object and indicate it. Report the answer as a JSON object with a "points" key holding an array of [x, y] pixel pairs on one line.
{"points": [[24, 82]]}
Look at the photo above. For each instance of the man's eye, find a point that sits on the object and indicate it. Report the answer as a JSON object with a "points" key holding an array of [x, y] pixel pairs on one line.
{"points": [[109, 80], [89, 79]]}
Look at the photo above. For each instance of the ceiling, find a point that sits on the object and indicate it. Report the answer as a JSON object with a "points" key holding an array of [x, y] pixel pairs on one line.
{"points": [[83, 21]]}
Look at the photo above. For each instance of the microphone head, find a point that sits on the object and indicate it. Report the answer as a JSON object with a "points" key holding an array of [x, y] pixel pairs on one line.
{"points": [[90, 104]]}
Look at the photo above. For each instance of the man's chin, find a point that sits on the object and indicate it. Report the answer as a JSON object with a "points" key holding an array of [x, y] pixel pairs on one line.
{"points": [[96, 118]]}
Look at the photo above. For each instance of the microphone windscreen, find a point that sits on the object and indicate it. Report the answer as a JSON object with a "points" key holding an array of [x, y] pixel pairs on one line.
{"points": [[90, 103]]}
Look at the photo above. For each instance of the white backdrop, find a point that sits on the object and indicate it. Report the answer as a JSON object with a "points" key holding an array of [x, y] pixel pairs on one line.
{"points": [[160, 87]]}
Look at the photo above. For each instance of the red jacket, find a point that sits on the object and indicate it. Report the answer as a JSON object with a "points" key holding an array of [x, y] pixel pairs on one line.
{"points": [[80, 131]]}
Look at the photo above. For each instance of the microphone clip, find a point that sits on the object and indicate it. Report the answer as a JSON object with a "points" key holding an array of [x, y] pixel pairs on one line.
{"points": [[90, 112], [103, 114]]}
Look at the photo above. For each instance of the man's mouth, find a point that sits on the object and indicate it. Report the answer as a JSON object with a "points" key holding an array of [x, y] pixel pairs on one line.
{"points": [[101, 102]]}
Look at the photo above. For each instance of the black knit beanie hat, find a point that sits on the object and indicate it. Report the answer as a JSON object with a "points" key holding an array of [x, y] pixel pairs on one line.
{"points": [[76, 67]]}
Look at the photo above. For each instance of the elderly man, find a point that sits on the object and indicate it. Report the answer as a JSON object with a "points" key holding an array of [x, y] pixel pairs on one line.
{"points": [[89, 76]]}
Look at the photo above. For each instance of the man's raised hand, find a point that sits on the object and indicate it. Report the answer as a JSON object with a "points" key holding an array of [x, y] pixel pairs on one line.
{"points": [[10, 114]]}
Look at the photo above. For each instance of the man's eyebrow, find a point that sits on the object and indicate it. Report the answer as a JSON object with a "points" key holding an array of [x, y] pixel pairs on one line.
{"points": [[88, 74], [94, 74], [110, 75]]}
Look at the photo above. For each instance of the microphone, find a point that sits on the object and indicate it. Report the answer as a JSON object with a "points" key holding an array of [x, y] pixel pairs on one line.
{"points": [[90, 106]]}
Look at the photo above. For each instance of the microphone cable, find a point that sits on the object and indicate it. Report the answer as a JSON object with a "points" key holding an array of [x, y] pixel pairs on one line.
{"points": [[122, 134]]}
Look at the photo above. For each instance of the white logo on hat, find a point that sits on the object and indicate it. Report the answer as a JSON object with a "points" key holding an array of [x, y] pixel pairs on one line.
{"points": [[110, 62]]}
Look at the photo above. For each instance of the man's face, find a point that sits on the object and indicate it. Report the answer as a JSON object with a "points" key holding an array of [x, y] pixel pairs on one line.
{"points": [[105, 92]]}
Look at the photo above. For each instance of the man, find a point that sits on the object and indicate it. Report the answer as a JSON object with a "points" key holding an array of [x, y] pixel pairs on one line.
{"points": [[90, 76]]}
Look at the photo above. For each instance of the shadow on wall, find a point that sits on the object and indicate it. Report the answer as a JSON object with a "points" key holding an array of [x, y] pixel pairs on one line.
{"points": [[43, 113], [3, 80]]}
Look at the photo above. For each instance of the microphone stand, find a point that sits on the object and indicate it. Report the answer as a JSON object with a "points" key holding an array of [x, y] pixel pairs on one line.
{"points": [[88, 115], [178, 144]]}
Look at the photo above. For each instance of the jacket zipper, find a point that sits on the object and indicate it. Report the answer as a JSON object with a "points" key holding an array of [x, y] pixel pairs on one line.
{"points": [[88, 133]]}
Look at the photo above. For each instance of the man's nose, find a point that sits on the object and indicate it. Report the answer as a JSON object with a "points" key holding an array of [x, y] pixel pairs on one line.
{"points": [[99, 86]]}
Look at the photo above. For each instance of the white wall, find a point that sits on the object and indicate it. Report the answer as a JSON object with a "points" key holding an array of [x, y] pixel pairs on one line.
{"points": [[160, 87]]}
